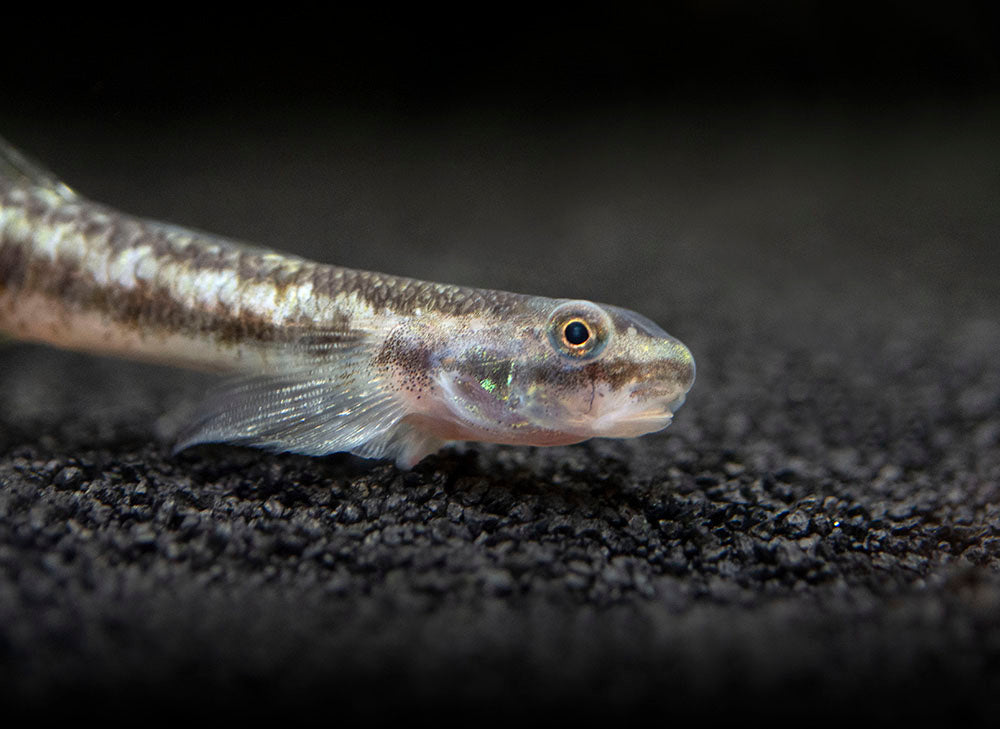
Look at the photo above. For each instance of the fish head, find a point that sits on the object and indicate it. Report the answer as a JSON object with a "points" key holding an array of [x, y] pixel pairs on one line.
{"points": [[564, 371]]}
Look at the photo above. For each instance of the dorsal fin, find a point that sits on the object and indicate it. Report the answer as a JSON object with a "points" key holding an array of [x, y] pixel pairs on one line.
{"points": [[19, 170]]}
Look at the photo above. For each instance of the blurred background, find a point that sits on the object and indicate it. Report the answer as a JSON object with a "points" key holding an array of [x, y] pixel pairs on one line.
{"points": [[767, 168], [752, 177], [805, 193]]}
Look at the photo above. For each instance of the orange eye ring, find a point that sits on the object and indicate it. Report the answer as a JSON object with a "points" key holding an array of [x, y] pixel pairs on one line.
{"points": [[575, 333]]}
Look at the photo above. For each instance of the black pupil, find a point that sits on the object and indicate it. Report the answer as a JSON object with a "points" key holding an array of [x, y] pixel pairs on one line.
{"points": [[576, 332]]}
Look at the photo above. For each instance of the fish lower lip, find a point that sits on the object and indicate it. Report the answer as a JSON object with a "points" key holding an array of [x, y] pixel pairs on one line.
{"points": [[635, 424], [647, 416], [658, 415]]}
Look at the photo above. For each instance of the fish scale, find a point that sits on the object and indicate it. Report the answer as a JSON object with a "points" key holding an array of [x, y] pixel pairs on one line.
{"points": [[324, 358]]}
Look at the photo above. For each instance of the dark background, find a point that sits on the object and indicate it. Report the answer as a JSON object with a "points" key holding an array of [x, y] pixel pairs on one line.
{"points": [[723, 51], [805, 194]]}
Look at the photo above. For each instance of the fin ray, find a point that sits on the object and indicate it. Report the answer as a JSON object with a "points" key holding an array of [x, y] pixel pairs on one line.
{"points": [[406, 444], [23, 171], [322, 398]]}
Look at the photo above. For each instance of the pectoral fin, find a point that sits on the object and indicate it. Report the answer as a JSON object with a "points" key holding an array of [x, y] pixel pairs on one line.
{"points": [[321, 399]]}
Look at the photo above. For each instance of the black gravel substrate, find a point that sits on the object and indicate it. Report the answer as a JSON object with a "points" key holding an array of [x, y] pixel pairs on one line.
{"points": [[817, 536]]}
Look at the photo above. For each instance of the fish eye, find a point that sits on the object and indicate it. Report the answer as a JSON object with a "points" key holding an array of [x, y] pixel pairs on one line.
{"points": [[576, 333], [579, 329]]}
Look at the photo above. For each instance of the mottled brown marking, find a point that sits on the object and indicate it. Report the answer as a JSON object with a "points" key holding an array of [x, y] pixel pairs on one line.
{"points": [[144, 308], [616, 373], [408, 357], [404, 296], [112, 232], [12, 265], [620, 372]]}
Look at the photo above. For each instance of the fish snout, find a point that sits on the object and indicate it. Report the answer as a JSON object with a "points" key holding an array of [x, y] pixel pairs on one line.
{"points": [[669, 380]]}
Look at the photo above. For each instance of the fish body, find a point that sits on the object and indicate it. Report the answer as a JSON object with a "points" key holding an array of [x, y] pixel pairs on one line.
{"points": [[323, 358]]}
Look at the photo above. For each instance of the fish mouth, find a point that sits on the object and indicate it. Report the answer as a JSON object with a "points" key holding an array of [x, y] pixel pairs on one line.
{"points": [[626, 423], [633, 424], [626, 415], [649, 416]]}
